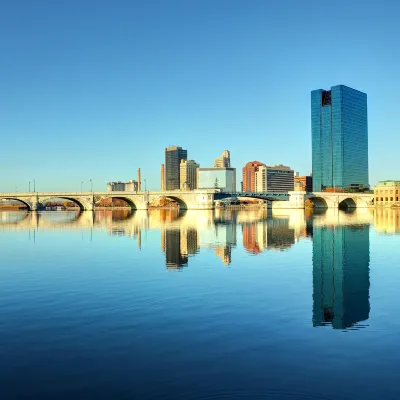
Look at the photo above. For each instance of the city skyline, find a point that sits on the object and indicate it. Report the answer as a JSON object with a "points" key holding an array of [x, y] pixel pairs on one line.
{"points": [[89, 98]]}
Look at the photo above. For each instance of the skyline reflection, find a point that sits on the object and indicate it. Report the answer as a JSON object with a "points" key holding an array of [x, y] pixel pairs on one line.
{"points": [[340, 244]]}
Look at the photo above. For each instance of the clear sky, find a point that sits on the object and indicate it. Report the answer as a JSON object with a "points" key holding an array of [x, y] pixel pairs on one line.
{"points": [[96, 89]]}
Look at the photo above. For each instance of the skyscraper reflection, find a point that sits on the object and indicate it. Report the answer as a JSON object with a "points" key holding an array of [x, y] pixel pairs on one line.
{"points": [[340, 275], [174, 259]]}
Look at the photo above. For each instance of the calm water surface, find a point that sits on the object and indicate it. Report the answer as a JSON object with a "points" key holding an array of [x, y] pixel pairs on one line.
{"points": [[201, 305]]}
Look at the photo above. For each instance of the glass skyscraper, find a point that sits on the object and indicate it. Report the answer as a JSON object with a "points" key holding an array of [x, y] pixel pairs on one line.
{"points": [[339, 139]]}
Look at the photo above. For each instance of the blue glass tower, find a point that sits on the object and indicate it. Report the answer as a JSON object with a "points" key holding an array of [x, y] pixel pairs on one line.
{"points": [[339, 124]]}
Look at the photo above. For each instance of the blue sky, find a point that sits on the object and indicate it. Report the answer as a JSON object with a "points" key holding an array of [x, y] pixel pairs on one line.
{"points": [[96, 89]]}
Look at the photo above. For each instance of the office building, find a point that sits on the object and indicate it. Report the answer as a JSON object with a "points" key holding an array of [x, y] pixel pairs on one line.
{"points": [[173, 157], [340, 275], [217, 178], [130, 186], [188, 175], [224, 161], [274, 179], [303, 183], [339, 139], [249, 176], [387, 193]]}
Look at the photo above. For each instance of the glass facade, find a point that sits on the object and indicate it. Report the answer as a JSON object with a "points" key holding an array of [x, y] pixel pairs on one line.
{"points": [[339, 139], [217, 178]]}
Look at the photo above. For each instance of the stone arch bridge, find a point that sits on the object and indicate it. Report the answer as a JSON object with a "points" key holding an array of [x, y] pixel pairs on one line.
{"points": [[193, 200]]}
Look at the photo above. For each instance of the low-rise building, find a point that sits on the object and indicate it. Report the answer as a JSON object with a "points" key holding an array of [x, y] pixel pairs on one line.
{"points": [[274, 179], [387, 193], [217, 178], [131, 186]]}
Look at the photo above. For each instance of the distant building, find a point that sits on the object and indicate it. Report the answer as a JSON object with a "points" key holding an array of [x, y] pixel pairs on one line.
{"points": [[339, 139], [387, 193], [188, 175], [131, 186], [173, 157], [303, 183], [224, 161], [274, 179], [217, 178], [249, 176]]}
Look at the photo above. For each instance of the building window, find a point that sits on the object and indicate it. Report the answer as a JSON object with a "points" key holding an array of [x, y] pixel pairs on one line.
{"points": [[386, 199], [381, 198], [391, 199]]}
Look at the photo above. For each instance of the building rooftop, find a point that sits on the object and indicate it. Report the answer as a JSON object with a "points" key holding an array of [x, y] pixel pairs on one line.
{"points": [[388, 183]]}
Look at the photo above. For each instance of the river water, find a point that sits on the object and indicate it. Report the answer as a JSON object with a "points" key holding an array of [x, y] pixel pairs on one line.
{"points": [[200, 305]]}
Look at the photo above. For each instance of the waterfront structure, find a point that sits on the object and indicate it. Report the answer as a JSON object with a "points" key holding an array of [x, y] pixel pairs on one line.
{"points": [[274, 179], [340, 275], [188, 174], [339, 139], [303, 183], [223, 179], [173, 157], [224, 161], [387, 193], [130, 186], [249, 176], [200, 199]]}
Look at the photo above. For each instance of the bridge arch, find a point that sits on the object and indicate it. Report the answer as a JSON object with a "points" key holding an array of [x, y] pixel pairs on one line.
{"points": [[81, 204], [347, 203], [24, 202], [127, 200], [317, 202], [181, 203]]}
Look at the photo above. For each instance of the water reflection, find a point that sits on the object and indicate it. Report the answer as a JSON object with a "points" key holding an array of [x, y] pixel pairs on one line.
{"points": [[340, 275], [387, 220]]}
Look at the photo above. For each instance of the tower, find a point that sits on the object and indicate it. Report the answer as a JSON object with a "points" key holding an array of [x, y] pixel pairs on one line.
{"points": [[339, 139], [173, 157]]}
